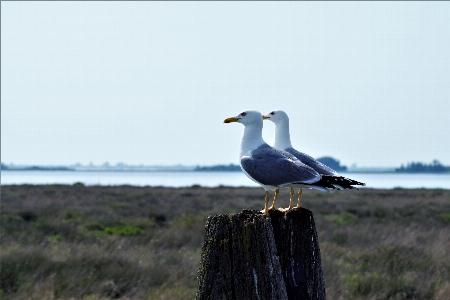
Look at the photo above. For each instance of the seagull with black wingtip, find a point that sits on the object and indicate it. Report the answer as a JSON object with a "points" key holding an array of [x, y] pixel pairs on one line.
{"points": [[270, 167], [282, 140]]}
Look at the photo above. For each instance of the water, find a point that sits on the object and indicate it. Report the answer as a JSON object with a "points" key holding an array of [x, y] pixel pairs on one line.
{"points": [[207, 179]]}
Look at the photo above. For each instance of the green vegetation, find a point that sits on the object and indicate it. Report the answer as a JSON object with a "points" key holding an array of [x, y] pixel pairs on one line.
{"points": [[124, 242], [445, 217]]}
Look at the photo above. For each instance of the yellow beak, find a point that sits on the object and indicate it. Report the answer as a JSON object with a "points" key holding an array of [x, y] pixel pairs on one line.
{"points": [[230, 120], [265, 117]]}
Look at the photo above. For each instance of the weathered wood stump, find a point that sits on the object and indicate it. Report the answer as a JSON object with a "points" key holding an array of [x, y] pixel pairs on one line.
{"points": [[250, 256]]}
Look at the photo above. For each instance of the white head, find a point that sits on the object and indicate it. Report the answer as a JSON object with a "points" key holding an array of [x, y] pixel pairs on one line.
{"points": [[282, 138], [252, 136], [247, 117], [277, 116]]}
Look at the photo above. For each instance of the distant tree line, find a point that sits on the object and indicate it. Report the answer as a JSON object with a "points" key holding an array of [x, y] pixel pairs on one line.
{"points": [[36, 168], [229, 167], [332, 163], [329, 161], [417, 167]]}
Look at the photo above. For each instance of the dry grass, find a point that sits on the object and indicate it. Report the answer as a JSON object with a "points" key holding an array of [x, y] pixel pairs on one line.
{"points": [[77, 242]]}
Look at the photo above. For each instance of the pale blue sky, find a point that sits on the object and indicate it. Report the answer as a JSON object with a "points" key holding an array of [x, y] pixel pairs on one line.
{"points": [[151, 82]]}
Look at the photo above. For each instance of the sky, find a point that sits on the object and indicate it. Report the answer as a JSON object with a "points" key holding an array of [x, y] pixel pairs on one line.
{"points": [[151, 82]]}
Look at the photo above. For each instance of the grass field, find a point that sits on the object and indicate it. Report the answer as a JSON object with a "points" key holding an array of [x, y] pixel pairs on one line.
{"points": [[125, 242]]}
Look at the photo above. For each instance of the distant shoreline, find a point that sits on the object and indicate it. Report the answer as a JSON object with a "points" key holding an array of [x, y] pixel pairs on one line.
{"points": [[40, 169], [191, 170], [435, 167]]}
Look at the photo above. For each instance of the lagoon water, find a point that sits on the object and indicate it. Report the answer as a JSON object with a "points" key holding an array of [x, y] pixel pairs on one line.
{"points": [[207, 179]]}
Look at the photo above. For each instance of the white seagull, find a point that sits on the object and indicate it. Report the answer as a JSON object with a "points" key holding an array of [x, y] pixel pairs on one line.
{"points": [[282, 140], [270, 167]]}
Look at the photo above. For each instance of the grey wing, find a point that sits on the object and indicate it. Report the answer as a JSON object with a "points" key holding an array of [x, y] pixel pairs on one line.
{"points": [[311, 162], [270, 166]]}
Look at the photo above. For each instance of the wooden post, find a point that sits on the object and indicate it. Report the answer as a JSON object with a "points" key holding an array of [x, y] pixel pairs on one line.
{"points": [[250, 256]]}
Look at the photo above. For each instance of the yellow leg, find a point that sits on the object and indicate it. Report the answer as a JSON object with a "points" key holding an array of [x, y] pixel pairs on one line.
{"points": [[275, 199], [266, 207], [291, 198], [299, 197]]}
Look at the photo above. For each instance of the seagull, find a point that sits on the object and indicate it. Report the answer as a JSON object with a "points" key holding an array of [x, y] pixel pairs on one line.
{"points": [[270, 167], [282, 141]]}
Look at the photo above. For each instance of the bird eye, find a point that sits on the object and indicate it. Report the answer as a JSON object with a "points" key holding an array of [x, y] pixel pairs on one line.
{"points": [[243, 114], [272, 113]]}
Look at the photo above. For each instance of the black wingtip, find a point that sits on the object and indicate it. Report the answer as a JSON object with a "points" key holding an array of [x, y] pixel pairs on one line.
{"points": [[330, 182]]}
